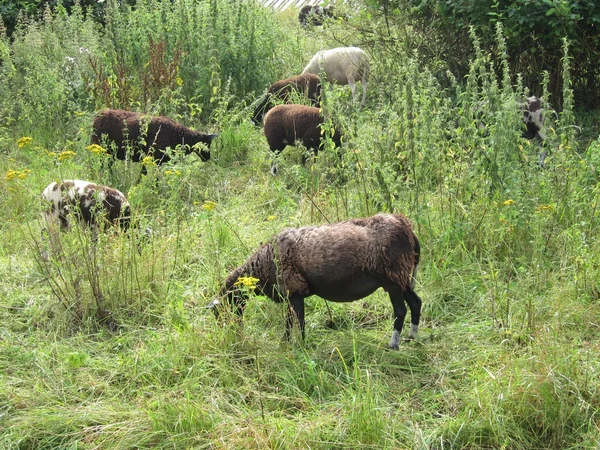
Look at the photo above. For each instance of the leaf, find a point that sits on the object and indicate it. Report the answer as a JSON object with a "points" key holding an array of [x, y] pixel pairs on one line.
{"points": [[551, 12]]}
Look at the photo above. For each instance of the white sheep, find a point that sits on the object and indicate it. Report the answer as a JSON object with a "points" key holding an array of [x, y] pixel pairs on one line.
{"points": [[342, 65]]}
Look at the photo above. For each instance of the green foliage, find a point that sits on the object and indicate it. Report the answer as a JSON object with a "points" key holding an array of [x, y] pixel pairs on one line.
{"points": [[108, 344], [534, 32]]}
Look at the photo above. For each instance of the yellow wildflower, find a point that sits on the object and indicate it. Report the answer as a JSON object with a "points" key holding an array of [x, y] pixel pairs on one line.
{"points": [[508, 202], [21, 175], [179, 81], [173, 172], [50, 154], [541, 208], [67, 154], [148, 161], [208, 205], [249, 282], [271, 217], [96, 149], [25, 140]]}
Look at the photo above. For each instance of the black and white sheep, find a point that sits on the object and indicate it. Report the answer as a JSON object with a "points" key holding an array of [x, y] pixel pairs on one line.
{"points": [[534, 124], [288, 124], [307, 84], [342, 65], [147, 135], [94, 205], [532, 118], [315, 15], [340, 262]]}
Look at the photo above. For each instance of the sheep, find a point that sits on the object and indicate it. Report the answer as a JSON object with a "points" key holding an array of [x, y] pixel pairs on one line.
{"points": [[92, 204], [532, 118], [307, 84], [342, 65], [314, 15], [534, 123], [340, 262], [288, 124], [146, 135]]}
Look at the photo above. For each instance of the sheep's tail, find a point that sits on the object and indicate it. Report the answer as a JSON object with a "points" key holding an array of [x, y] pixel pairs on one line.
{"points": [[413, 280]]}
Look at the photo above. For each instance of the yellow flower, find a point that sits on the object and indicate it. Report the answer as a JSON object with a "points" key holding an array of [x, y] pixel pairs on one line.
{"points": [[249, 282], [173, 172], [21, 175], [271, 217], [67, 154], [50, 154], [96, 149], [25, 140], [508, 202], [179, 81], [208, 205], [541, 208], [148, 161]]}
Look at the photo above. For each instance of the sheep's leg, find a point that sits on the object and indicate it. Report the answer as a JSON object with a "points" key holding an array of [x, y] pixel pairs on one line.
{"points": [[296, 309], [414, 303], [352, 85], [399, 315], [364, 94]]}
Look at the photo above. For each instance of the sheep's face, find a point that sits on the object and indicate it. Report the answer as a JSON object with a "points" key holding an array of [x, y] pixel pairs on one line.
{"points": [[231, 304]]}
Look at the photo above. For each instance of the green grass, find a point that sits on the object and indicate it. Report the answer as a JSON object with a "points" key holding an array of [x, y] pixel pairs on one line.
{"points": [[508, 354]]}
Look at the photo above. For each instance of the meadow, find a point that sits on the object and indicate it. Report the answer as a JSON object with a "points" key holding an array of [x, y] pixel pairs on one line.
{"points": [[509, 348]]}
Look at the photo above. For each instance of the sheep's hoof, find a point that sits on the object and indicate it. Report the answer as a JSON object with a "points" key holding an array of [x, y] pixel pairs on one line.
{"points": [[394, 347]]}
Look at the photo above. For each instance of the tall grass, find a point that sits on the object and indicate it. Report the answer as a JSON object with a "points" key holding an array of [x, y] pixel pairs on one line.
{"points": [[109, 344]]}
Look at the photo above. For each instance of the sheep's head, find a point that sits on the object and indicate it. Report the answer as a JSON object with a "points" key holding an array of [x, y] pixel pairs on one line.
{"points": [[227, 307]]}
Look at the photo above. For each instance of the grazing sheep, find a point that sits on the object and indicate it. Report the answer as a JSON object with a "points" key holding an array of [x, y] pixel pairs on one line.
{"points": [[534, 122], [532, 117], [340, 262], [92, 204], [307, 84], [315, 15], [287, 124], [146, 135], [342, 65]]}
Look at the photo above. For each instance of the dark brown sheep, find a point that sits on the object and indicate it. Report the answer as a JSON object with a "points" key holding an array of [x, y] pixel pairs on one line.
{"points": [[307, 84], [146, 135], [288, 124], [340, 262]]}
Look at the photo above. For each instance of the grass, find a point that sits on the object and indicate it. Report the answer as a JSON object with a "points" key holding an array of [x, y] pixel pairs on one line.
{"points": [[508, 350]]}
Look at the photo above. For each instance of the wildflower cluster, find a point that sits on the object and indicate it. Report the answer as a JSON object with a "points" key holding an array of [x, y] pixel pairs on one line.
{"points": [[508, 202], [173, 172], [96, 149], [208, 205], [148, 161], [248, 282], [16, 174], [24, 141], [67, 154], [543, 208]]}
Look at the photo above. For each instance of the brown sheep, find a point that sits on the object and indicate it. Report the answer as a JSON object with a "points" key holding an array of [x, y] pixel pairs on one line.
{"points": [[307, 84], [288, 124], [146, 135], [340, 262]]}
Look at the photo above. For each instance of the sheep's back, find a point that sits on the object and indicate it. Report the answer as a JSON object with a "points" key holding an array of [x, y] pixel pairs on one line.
{"points": [[288, 123], [383, 245]]}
